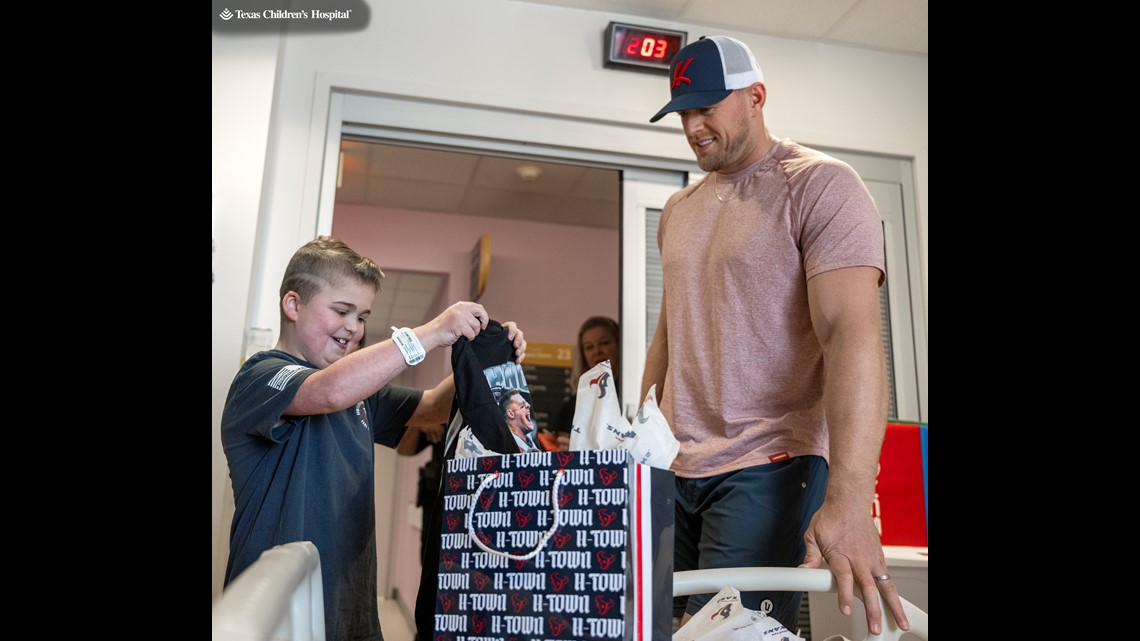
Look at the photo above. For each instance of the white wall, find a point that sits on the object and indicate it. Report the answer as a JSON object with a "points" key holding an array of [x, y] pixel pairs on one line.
{"points": [[243, 78], [497, 53]]}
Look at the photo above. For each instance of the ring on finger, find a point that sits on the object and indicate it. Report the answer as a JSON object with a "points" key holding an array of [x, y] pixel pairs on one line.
{"points": [[882, 577]]}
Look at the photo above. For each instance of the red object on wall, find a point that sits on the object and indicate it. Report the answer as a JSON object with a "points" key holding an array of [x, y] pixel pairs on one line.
{"points": [[900, 508]]}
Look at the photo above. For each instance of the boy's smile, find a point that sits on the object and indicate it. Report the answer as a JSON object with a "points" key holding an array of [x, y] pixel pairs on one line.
{"points": [[331, 324]]}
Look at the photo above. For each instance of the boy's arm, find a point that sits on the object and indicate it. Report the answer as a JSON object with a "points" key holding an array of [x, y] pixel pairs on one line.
{"points": [[362, 373]]}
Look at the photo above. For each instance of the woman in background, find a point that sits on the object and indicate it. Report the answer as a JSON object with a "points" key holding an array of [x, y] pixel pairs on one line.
{"points": [[599, 339]]}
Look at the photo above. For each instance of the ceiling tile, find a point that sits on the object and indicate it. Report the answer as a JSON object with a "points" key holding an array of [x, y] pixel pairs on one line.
{"points": [[353, 189], [598, 184], [408, 193], [664, 9], [502, 173], [889, 25], [896, 25], [804, 18], [409, 162]]}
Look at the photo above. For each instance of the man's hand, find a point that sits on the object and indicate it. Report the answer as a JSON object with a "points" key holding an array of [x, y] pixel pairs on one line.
{"points": [[433, 433], [847, 540]]}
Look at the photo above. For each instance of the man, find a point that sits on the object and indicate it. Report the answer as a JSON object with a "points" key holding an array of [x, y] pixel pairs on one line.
{"points": [[517, 413], [768, 353]]}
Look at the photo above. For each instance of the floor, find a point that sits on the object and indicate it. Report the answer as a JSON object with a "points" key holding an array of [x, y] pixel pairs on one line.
{"points": [[393, 623]]}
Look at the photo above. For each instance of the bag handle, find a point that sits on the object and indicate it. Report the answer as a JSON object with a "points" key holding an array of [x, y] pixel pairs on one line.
{"points": [[541, 541]]}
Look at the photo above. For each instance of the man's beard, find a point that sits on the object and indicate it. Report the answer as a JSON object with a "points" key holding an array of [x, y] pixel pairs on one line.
{"points": [[729, 153]]}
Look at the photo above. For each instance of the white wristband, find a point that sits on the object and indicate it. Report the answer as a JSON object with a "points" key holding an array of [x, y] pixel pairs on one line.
{"points": [[409, 345]]}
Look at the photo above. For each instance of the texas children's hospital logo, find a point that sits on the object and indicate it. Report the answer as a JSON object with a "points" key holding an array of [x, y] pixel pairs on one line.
{"points": [[267, 16], [282, 14]]}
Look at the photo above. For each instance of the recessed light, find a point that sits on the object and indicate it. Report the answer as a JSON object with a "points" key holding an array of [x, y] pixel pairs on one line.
{"points": [[528, 172]]}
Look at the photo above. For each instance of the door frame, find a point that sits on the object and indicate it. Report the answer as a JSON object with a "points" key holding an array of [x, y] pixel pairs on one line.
{"points": [[648, 177]]}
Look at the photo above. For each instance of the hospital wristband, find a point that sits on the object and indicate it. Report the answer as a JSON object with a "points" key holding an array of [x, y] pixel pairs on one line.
{"points": [[409, 345]]}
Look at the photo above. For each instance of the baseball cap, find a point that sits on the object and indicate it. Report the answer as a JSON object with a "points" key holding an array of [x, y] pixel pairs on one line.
{"points": [[706, 71]]}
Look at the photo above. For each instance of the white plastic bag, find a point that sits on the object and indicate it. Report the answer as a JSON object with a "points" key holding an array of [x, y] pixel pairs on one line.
{"points": [[599, 424], [655, 443], [724, 618]]}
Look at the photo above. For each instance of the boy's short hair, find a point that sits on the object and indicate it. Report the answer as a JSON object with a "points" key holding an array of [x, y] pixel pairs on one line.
{"points": [[325, 260]]}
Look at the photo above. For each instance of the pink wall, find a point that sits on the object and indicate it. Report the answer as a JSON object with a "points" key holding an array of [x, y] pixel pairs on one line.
{"points": [[547, 278]]}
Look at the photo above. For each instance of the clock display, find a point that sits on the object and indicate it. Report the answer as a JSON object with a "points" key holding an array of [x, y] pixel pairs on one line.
{"points": [[641, 48]]}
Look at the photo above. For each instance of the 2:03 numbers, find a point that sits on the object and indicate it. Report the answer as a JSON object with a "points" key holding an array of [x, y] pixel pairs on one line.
{"points": [[646, 47]]}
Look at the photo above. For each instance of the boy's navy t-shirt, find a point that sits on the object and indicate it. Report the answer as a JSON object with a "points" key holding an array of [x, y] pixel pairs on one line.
{"points": [[310, 478]]}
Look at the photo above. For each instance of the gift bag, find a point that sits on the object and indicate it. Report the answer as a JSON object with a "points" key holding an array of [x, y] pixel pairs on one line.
{"points": [[485, 375], [555, 545]]}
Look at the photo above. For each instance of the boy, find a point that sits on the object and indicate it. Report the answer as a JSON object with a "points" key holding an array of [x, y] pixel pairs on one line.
{"points": [[300, 421]]}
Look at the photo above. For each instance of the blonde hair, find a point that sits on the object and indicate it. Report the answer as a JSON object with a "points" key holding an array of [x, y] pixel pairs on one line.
{"points": [[579, 366]]}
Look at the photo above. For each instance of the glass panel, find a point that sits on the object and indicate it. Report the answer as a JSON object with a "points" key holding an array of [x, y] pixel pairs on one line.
{"points": [[653, 282]]}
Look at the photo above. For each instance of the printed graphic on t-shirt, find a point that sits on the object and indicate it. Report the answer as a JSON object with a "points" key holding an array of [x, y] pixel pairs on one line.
{"points": [[508, 385], [504, 377], [362, 414], [284, 375]]}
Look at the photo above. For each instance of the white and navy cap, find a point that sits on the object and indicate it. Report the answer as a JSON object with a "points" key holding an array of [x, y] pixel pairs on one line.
{"points": [[706, 71]]}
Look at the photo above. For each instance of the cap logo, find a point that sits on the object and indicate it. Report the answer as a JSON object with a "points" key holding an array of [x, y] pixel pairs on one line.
{"points": [[679, 74]]}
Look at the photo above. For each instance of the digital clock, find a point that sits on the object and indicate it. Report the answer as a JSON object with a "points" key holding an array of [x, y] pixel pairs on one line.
{"points": [[641, 48]]}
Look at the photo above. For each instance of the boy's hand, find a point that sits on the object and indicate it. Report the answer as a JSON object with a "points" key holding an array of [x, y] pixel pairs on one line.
{"points": [[515, 335], [461, 319]]}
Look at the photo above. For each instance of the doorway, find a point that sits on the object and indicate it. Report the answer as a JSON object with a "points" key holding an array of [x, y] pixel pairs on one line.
{"points": [[554, 232]]}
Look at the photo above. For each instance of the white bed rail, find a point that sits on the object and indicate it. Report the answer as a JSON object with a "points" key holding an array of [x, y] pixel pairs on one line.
{"points": [[278, 598], [794, 580]]}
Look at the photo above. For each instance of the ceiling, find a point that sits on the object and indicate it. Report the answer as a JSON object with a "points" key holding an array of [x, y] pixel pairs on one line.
{"points": [[421, 179], [897, 26], [390, 176]]}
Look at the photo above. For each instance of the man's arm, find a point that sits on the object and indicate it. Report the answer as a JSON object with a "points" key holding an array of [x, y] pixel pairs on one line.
{"points": [[417, 438], [435, 406], [657, 358], [844, 305]]}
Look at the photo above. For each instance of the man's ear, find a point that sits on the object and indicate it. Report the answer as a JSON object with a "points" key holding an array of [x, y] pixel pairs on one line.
{"points": [[289, 304], [757, 94]]}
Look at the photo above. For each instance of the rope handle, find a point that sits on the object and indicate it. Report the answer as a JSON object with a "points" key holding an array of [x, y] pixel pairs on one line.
{"points": [[541, 541]]}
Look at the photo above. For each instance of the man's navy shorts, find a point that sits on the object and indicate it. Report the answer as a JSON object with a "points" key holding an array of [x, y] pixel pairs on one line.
{"points": [[753, 517]]}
